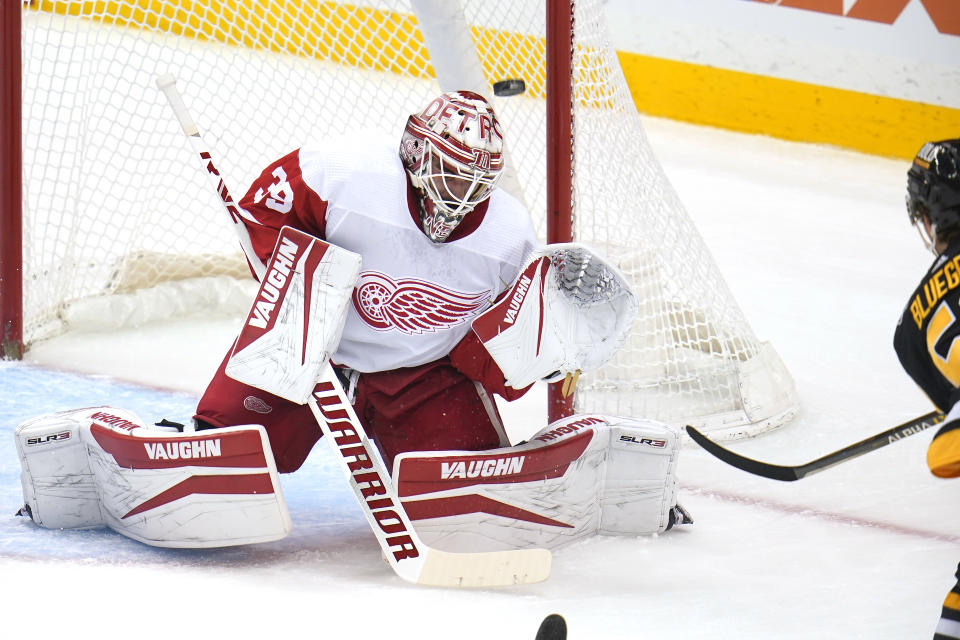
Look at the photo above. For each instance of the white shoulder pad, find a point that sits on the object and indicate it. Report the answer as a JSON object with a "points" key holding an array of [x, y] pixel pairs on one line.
{"points": [[568, 310], [297, 318]]}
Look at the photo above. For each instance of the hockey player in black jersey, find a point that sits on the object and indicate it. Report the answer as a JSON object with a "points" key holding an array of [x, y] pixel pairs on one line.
{"points": [[927, 338]]}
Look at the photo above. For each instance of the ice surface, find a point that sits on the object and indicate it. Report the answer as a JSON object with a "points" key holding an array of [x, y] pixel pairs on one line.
{"points": [[815, 245]]}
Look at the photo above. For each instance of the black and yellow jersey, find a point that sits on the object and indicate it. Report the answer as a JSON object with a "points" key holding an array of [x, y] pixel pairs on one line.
{"points": [[927, 341]]}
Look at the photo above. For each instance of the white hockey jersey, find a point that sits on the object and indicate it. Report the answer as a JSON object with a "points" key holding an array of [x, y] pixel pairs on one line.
{"points": [[415, 300]]}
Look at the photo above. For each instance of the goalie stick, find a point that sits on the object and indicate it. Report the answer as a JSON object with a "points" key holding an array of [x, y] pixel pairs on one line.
{"points": [[791, 473], [407, 555]]}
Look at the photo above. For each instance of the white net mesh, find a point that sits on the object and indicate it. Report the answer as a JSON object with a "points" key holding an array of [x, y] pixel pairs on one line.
{"points": [[114, 201]]}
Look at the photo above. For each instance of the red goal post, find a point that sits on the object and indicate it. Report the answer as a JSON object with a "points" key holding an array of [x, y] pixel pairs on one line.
{"points": [[11, 233], [559, 130], [114, 209]]}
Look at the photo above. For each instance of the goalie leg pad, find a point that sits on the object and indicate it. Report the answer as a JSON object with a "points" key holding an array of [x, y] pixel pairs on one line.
{"points": [[640, 487], [59, 489], [168, 489], [581, 476]]}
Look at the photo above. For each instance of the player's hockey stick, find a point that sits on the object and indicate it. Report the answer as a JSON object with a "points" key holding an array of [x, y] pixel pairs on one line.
{"points": [[360, 460], [791, 473]]}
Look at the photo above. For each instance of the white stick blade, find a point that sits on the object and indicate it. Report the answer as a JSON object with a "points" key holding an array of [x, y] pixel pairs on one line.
{"points": [[489, 569]]}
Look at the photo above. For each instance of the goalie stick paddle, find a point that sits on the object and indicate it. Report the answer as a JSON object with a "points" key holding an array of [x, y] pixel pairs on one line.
{"points": [[360, 461], [406, 553], [791, 473]]}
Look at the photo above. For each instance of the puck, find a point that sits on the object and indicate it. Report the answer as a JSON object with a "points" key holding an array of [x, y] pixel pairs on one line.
{"points": [[553, 627], [510, 87]]}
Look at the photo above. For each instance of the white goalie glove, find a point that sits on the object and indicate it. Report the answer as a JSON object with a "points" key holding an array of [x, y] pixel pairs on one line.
{"points": [[568, 311], [297, 318]]}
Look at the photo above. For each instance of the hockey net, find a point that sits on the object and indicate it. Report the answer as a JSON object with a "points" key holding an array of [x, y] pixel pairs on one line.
{"points": [[116, 209]]}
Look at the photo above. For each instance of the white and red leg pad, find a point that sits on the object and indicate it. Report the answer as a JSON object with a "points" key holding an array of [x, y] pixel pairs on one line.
{"points": [[103, 466], [581, 476]]}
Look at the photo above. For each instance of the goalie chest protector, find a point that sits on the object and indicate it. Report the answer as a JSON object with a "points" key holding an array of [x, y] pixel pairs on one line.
{"points": [[414, 300]]}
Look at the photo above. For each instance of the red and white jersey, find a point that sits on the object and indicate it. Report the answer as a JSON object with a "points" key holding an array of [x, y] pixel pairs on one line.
{"points": [[415, 300]]}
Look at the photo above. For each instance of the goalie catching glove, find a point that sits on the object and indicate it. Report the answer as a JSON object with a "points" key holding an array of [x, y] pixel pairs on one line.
{"points": [[568, 311]]}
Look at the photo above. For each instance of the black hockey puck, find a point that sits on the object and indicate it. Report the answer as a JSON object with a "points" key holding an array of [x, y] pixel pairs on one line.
{"points": [[553, 627], [511, 87]]}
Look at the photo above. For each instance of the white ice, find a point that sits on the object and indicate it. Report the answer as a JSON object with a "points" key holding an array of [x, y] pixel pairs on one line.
{"points": [[815, 245]]}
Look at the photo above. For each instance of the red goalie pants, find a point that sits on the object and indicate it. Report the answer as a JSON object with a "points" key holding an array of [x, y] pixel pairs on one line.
{"points": [[432, 407]]}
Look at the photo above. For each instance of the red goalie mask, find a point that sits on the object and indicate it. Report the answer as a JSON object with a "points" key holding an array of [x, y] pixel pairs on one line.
{"points": [[453, 153]]}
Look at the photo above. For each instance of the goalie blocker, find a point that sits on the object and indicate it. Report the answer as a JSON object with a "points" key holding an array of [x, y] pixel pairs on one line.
{"points": [[297, 319]]}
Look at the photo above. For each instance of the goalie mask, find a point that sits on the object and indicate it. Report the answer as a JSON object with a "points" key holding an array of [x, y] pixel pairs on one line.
{"points": [[453, 153], [933, 190]]}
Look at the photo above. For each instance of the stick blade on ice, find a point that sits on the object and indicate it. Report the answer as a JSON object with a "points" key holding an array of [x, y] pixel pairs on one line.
{"points": [[489, 569], [772, 471], [796, 472]]}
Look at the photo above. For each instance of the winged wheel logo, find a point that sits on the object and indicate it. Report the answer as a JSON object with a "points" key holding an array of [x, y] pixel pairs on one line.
{"points": [[413, 306]]}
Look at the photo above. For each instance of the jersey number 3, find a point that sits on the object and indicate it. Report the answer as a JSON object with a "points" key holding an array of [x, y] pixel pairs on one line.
{"points": [[942, 334], [280, 193]]}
